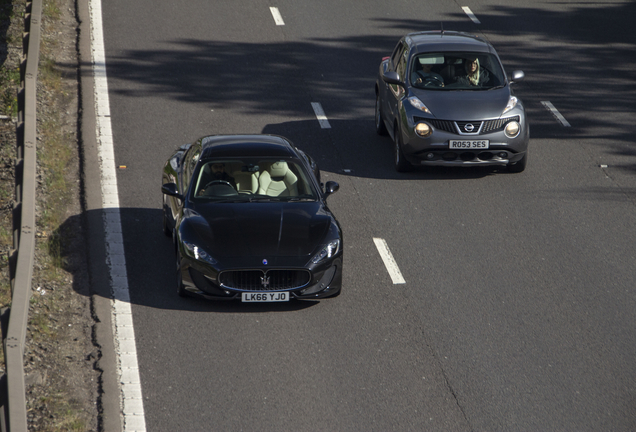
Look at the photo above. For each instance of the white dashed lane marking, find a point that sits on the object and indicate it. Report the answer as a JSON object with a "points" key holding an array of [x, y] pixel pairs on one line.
{"points": [[470, 14], [320, 115], [389, 261], [555, 112], [278, 18]]}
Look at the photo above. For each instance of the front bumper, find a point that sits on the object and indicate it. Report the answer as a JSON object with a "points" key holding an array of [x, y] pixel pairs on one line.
{"points": [[326, 281], [434, 150]]}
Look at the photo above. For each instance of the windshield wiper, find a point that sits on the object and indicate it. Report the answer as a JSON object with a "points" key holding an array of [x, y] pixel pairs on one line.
{"points": [[228, 200], [263, 199], [299, 198]]}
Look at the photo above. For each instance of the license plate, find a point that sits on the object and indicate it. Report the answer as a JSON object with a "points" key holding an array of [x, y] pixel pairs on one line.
{"points": [[265, 297], [468, 144]]}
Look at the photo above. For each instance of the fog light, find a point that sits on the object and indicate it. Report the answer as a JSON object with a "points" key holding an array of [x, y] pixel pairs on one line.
{"points": [[503, 155], [423, 130], [430, 156], [512, 129]]}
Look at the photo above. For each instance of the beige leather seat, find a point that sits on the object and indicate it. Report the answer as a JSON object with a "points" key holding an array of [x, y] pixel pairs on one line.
{"points": [[246, 182], [278, 180]]}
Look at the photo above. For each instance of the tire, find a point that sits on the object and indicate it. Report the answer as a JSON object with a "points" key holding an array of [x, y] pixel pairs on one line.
{"points": [[181, 291], [519, 166], [380, 127], [401, 164]]}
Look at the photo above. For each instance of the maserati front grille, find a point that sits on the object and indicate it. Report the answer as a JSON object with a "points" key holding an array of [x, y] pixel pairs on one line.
{"points": [[259, 280]]}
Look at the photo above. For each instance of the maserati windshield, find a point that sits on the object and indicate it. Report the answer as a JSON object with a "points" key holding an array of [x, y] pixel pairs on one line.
{"points": [[251, 180]]}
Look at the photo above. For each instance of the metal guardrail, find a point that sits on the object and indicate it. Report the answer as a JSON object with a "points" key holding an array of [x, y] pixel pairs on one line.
{"points": [[13, 414]]}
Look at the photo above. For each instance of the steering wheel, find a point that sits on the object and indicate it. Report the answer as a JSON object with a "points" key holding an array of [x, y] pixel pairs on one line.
{"points": [[433, 81], [223, 190], [219, 182]]}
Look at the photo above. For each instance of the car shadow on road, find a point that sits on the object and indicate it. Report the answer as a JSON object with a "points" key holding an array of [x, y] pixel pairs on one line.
{"points": [[150, 264]]}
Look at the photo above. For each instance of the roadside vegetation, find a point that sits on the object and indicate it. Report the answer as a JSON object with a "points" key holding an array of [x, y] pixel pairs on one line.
{"points": [[62, 383], [10, 50]]}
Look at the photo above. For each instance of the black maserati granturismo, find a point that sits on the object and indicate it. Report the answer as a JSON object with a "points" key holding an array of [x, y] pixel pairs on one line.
{"points": [[249, 221]]}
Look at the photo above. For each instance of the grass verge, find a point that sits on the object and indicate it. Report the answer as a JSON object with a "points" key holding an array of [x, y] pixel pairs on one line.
{"points": [[60, 379]]}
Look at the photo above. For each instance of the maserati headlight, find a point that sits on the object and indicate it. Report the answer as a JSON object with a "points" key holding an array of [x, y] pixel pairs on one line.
{"points": [[417, 103], [197, 253], [512, 102], [329, 250]]}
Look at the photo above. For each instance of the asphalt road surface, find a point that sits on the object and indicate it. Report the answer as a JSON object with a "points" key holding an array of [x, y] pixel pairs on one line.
{"points": [[518, 307]]}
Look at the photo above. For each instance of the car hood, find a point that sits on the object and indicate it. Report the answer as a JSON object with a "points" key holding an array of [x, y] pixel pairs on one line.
{"points": [[260, 229], [465, 104]]}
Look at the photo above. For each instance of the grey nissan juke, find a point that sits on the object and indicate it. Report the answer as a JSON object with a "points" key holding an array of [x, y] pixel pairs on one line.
{"points": [[445, 100]]}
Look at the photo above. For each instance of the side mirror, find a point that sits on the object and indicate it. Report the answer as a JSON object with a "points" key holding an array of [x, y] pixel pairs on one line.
{"points": [[171, 190], [331, 187], [392, 77], [517, 76]]}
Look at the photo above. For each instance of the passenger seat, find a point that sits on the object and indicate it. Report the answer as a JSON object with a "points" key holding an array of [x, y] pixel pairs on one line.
{"points": [[246, 182], [278, 180], [448, 73]]}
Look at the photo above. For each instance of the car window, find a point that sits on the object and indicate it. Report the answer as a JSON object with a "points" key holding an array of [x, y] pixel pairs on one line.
{"points": [[312, 165], [252, 179], [189, 163], [401, 66], [425, 70], [397, 55], [449, 71]]}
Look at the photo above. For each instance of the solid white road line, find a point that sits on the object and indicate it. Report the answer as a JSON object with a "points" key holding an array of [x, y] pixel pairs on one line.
{"points": [[555, 112], [128, 370], [389, 261], [278, 18], [470, 14], [320, 115]]}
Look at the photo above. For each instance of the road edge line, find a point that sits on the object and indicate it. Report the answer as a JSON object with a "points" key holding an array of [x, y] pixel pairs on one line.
{"points": [[130, 397]]}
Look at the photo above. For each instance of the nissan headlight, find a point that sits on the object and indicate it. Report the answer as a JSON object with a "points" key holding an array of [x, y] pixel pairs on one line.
{"points": [[197, 253], [512, 129], [423, 129], [512, 102], [414, 100], [327, 251]]}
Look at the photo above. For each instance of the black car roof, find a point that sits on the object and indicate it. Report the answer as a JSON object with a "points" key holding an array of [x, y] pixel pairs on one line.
{"points": [[246, 145], [429, 41]]}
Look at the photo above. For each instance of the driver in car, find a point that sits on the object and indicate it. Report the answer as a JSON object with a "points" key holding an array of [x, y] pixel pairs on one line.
{"points": [[425, 75], [214, 172]]}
